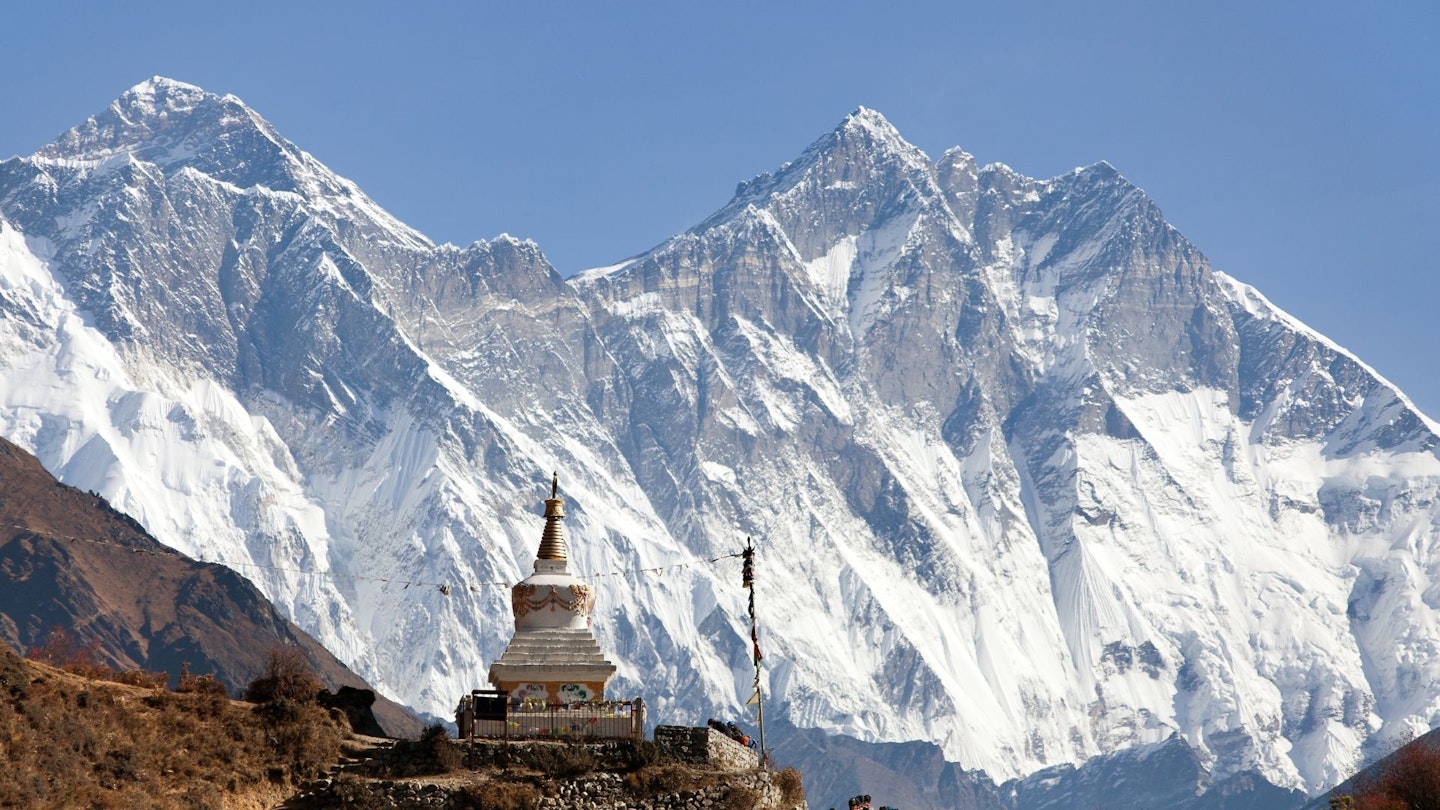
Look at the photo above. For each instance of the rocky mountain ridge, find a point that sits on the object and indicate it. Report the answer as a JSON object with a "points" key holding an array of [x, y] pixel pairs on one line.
{"points": [[1031, 480]]}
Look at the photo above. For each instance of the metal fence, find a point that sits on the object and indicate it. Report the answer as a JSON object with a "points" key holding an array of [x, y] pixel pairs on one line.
{"points": [[532, 719]]}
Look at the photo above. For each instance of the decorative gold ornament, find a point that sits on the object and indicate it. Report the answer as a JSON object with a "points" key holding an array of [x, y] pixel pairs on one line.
{"points": [[520, 598], [523, 601]]}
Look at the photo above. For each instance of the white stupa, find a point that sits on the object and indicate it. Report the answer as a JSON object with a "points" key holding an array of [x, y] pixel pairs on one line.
{"points": [[553, 655]]}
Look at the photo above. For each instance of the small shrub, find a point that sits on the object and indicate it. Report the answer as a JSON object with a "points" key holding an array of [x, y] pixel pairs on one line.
{"points": [[433, 732], [62, 649], [448, 757], [140, 677], [287, 676], [95, 672], [119, 765], [740, 797], [303, 736], [354, 793], [175, 706], [657, 780], [432, 754], [14, 677], [498, 796], [443, 754], [190, 684], [792, 787], [637, 754], [280, 712], [560, 761], [210, 705]]}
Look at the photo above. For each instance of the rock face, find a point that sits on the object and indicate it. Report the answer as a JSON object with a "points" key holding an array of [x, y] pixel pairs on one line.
{"points": [[358, 706], [1031, 480]]}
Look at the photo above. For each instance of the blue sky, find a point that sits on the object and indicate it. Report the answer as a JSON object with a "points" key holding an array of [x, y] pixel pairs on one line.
{"points": [[1295, 143]]}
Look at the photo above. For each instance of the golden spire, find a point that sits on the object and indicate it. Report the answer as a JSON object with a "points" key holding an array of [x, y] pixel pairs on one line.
{"points": [[552, 543]]}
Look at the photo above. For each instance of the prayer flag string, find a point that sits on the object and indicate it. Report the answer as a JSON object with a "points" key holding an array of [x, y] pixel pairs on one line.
{"points": [[445, 588]]}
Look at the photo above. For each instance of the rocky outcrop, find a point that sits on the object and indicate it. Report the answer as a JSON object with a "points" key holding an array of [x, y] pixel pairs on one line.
{"points": [[357, 706]]}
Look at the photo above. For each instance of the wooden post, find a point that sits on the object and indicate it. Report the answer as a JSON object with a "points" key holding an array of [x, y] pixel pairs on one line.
{"points": [[748, 581]]}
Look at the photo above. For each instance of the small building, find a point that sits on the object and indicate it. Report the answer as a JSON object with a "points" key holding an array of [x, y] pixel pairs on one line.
{"points": [[553, 656]]}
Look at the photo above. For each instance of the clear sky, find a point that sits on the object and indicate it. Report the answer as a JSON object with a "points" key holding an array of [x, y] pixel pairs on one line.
{"points": [[1294, 142]]}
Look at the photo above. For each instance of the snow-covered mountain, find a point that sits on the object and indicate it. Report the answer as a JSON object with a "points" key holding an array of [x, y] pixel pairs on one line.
{"points": [[1031, 480]]}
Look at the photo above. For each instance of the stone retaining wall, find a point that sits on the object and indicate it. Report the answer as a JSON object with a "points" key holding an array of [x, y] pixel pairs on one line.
{"points": [[688, 769], [597, 791], [704, 746], [752, 791]]}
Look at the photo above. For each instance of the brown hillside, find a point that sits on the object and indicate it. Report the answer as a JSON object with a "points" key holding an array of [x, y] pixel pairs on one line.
{"points": [[68, 560], [68, 741], [1405, 778]]}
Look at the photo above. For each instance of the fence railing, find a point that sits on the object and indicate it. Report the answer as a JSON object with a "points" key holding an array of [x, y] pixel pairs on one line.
{"points": [[532, 719]]}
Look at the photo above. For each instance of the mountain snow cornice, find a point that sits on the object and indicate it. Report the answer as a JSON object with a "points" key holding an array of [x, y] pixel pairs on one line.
{"points": [[1030, 479]]}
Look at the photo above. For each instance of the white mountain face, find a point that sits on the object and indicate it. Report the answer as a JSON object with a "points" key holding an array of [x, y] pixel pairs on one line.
{"points": [[1030, 480]]}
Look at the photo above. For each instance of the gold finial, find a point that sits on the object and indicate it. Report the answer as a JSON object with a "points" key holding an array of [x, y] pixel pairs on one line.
{"points": [[552, 542]]}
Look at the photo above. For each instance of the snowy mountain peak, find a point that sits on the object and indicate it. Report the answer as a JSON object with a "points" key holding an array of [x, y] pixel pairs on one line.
{"points": [[161, 95], [516, 242], [1102, 173], [173, 90], [155, 113], [869, 130], [178, 127], [859, 169], [955, 157], [862, 141], [876, 125]]}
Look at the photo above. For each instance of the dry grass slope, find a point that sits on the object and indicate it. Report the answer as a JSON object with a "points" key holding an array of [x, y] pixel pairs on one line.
{"points": [[69, 741]]}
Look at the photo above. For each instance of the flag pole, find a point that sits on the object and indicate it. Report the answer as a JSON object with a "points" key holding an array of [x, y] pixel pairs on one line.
{"points": [[748, 581]]}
